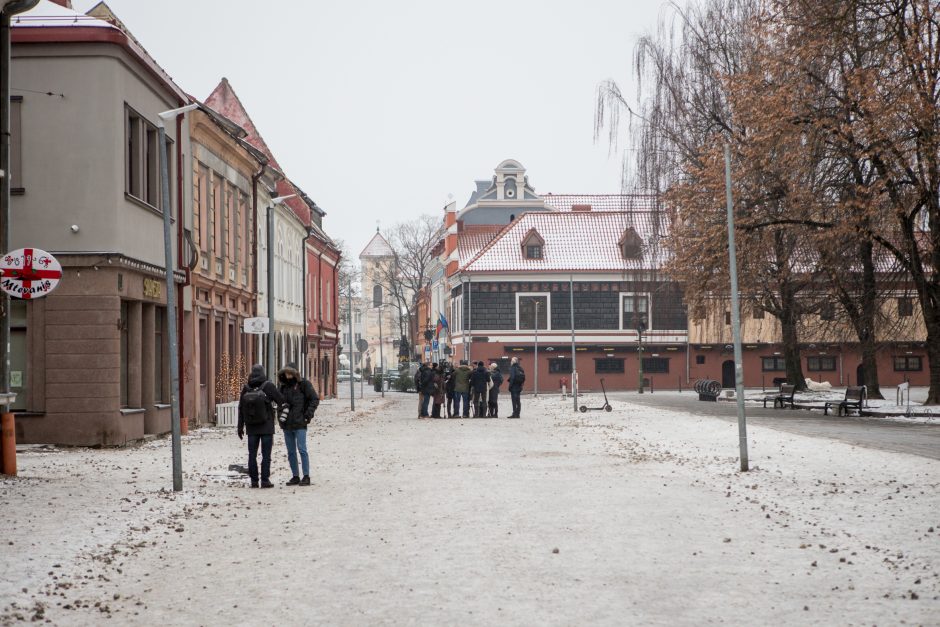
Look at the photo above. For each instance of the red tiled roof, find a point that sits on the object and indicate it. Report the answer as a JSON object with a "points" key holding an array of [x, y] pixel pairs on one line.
{"points": [[473, 238], [601, 202], [574, 241]]}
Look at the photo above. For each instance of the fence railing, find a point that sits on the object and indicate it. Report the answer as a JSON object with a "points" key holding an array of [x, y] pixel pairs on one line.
{"points": [[226, 414]]}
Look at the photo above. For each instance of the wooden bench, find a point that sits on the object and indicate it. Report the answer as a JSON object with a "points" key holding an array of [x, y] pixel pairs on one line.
{"points": [[783, 396], [854, 397]]}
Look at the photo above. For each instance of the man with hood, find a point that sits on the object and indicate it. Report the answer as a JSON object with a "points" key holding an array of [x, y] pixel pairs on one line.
{"points": [[256, 416], [516, 380], [462, 388], [299, 405]]}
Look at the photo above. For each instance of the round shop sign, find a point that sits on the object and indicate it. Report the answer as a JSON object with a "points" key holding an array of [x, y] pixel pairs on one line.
{"points": [[29, 273]]}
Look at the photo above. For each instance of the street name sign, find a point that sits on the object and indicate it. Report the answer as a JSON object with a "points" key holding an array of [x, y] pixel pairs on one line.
{"points": [[258, 326]]}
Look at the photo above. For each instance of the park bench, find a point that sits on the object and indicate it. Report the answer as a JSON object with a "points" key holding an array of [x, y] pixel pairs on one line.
{"points": [[783, 396], [854, 397]]}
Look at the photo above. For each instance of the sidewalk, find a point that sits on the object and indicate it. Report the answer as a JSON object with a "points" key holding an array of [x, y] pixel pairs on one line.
{"points": [[637, 516]]}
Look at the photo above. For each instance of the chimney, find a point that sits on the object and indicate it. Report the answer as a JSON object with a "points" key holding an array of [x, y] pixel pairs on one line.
{"points": [[450, 238], [64, 3], [580, 207]]}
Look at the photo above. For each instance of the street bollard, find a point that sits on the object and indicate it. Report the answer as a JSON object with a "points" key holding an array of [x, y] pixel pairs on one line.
{"points": [[8, 444]]}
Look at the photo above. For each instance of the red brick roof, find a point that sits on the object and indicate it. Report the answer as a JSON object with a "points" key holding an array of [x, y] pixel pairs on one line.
{"points": [[473, 238], [574, 241]]}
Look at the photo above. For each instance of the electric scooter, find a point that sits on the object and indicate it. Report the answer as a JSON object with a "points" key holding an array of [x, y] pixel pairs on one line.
{"points": [[606, 406]]}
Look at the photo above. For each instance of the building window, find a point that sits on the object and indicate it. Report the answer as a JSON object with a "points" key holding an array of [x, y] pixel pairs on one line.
{"points": [[905, 306], [16, 145], [727, 317], [533, 251], [656, 365], [773, 364], [376, 295], [159, 363], [142, 159], [532, 245], [559, 365], [757, 312], [532, 309], [821, 364], [907, 363], [634, 310], [699, 360], [608, 365], [827, 312]]}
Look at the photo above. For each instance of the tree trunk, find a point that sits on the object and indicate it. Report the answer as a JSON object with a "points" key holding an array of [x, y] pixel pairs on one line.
{"points": [[932, 322], [865, 327], [789, 317]]}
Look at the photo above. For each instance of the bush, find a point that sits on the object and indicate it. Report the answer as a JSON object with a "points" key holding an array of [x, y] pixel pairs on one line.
{"points": [[404, 383]]}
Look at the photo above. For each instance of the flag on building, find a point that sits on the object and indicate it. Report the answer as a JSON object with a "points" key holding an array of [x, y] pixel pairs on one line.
{"points": [[441, 324]]}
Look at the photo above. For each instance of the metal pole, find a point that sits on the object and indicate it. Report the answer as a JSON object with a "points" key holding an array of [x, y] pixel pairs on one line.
{"points": [[269, 221], [352, 366], [536, 365], [735, 318], [5, 196], [574, 368], [639, 359], [469, 316], [381, 355]]}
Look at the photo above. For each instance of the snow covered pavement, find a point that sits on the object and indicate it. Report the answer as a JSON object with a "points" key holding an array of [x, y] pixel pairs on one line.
{"points": [[638, 516]]}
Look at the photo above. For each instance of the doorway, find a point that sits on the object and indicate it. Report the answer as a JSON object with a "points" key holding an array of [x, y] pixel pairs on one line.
{"points": [[727, 374], [860, 375]]}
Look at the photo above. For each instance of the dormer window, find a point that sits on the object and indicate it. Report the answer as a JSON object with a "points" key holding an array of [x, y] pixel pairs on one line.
{"points": [[509, 188], [631, 244], [533, 245]]}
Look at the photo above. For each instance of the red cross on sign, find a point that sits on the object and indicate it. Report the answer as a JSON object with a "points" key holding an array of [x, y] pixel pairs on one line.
{"points": [[29, 273]]}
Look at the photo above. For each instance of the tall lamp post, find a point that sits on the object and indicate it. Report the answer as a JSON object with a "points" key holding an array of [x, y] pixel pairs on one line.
{"points": [[352, 366], [171, 292], [270, 239], [535, 366]]}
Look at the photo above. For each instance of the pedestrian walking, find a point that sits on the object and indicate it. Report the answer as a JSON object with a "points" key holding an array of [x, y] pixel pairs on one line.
{"points": [[516, 379], [449, 382], [438, 399], [462, 389], [497, 378], [256, 417], [480, 381], [299, 405]]}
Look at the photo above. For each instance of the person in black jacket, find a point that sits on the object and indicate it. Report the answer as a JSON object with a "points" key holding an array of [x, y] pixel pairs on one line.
{"points": [[424, 383], [449, 382], [497, 378], [296, 412], [516, 379], [259, 434], [479, 383]]}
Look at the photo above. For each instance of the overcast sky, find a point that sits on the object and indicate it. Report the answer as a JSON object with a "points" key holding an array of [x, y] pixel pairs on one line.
{"points": [[381, 109]]}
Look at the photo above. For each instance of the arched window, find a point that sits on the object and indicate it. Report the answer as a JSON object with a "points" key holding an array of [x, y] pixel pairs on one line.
{"points": [[509, 188], [376, 295]]}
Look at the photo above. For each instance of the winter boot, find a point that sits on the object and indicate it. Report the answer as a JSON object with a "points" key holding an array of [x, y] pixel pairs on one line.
{"points": [[267, 484], [293, 480], [305, 480]]}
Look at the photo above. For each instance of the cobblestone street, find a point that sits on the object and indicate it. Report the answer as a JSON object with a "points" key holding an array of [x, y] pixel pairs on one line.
{"points": [[633, 517]]}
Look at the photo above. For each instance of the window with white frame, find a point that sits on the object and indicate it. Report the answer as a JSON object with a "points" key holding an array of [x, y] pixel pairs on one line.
{"points": [[532, 310], [634, 307], [142, 159]]}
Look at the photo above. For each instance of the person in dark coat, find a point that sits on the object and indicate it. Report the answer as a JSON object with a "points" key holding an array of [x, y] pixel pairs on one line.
{"points": [[497, 378], [449, 382], [296, 411], [516, 379], [259, 434], [438, 397], [479, 383]]}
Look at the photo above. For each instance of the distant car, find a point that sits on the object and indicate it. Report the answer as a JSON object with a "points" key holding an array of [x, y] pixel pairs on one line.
{"points": [[343, 375]]}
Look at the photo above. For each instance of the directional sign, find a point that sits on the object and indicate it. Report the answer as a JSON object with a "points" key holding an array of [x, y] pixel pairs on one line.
{"points": [[258, 326], [29, 273]]}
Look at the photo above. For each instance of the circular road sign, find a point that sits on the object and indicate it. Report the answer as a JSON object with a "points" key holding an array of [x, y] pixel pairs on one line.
{"points": [[29, 273]]}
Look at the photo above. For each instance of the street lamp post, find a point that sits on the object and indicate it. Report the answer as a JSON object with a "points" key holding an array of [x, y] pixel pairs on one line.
{"points": [[535, 366], [381, 353], [352, 366], [270, 239], [171, 292]]}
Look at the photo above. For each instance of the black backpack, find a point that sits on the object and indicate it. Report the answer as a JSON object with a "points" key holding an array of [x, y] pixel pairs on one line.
{"points": [[520, 376], [256, 406]]}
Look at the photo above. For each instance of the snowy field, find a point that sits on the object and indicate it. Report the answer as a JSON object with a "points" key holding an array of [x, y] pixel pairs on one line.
{"points": [[635, 517]]}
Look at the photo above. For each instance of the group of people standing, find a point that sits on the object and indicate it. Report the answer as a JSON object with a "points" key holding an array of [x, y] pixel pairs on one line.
{"points": [[296, 402], [473, 389]]}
